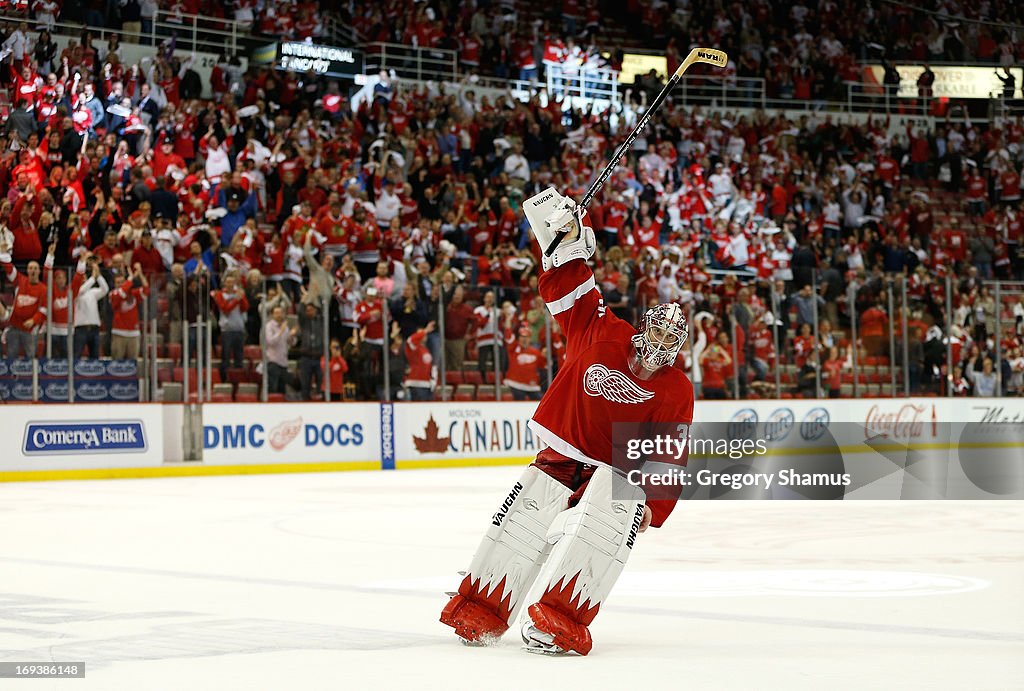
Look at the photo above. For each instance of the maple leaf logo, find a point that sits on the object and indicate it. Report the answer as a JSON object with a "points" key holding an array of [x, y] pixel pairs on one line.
{"points": [[431, 442]]}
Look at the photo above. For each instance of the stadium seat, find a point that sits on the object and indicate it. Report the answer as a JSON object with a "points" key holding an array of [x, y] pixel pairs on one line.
{"points": [[247, 393], [171, 392]]}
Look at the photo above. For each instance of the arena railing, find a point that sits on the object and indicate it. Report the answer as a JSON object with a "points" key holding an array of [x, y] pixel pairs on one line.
{"points": [[412, 63], [862, 97], [192, 33], [892, 339], [340, 33]]}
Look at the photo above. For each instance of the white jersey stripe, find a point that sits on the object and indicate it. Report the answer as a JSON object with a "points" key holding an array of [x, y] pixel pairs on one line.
{"points": [[560, 445], [564, 303]]}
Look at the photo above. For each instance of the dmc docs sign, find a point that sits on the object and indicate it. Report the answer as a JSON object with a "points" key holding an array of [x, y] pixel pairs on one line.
{"points": [[454, 431], [324, 60], [950, 82], [290, 433]]}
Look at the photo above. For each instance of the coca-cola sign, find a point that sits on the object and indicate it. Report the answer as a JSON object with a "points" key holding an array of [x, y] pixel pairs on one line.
{"points": [[903, 421]]}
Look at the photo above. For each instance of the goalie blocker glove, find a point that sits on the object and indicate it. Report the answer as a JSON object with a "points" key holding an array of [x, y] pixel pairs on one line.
{"points": [[549, 212]]}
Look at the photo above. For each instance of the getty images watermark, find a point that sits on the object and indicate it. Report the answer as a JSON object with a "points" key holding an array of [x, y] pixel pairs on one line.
{"points": [[659, 460], [812, 457]]}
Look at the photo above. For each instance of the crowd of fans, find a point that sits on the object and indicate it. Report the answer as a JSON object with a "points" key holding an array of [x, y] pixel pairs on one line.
{"points": [[284, 18], [390, 234], [803, 50]]}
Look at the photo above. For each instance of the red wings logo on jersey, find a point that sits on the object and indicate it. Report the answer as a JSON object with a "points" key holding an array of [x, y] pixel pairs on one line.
{"points": [[613, 386]]}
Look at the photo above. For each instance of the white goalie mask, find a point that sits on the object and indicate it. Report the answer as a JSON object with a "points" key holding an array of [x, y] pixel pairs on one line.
{"points": [[661, 334]]}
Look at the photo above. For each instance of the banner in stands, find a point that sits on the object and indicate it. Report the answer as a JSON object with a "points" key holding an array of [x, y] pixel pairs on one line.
{"points": [[959, 81], [242, 433], [95, 381], [83, 436], [428, 434], [328, 61]]}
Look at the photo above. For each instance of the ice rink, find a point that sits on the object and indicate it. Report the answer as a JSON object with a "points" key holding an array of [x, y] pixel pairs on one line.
{"points": [[335, 581]]}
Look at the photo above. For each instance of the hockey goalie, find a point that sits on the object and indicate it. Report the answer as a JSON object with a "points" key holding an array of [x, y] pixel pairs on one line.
{"points": [[561, 537]]}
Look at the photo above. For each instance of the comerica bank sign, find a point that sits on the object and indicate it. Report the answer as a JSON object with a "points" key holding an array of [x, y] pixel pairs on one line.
{"points": [[55, 438], [324, 60]]}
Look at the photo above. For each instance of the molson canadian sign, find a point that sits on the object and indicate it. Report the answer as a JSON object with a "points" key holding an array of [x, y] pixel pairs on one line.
{"points": [[454, 431]]}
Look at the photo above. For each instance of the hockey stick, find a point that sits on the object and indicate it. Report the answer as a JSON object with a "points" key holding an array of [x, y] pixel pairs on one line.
{"points": [[708, 56]]}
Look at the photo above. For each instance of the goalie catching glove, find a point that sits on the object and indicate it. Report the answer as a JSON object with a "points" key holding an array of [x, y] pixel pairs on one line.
{"points": [[548, 213]]}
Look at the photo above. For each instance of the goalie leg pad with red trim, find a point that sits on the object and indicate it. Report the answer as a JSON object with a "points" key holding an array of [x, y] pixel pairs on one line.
{"points": [[508, 559], [592, 542]]}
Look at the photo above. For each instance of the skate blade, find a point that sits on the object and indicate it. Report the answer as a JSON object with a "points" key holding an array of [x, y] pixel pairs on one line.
{"points": [[553, 651]]}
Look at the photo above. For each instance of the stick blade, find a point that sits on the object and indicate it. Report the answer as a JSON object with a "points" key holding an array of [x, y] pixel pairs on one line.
{"points": [[709, 56]]}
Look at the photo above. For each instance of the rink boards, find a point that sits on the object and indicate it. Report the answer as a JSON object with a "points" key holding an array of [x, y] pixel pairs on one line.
{"points": [[54, 441]]}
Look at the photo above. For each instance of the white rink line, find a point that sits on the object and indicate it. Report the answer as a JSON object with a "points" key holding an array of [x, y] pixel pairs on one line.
{"points": [[403, 588]]}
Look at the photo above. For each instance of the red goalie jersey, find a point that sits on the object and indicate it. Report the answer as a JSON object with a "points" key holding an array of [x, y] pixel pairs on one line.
{"points": [[595, 387]]}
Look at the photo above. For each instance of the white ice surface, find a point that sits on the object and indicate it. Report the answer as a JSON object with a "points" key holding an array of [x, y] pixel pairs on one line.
{"points": [[335, 581]]}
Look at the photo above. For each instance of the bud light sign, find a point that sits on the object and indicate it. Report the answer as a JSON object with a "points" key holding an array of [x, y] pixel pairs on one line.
{"points": [[56, 438]]}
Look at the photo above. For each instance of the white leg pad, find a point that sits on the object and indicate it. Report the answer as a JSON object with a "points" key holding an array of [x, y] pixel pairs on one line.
{"points": [[592, 542], [510, 554]]}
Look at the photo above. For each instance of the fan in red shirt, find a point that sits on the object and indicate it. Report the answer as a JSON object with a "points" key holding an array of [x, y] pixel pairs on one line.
{"points": [[315, 195], [480, 237], [125, 299], [164, 157], [525, 364], [612, 374], [763, 342], [977, 192], [369, 313], [1009, 181], [336, 372], [364, 240], [27, 244], [28, 312], [716, 367], [31, 166], [955, 241], [299, 223], [803, 344], [419, 380], [508, 230], [334, 227], [147, 256]]}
